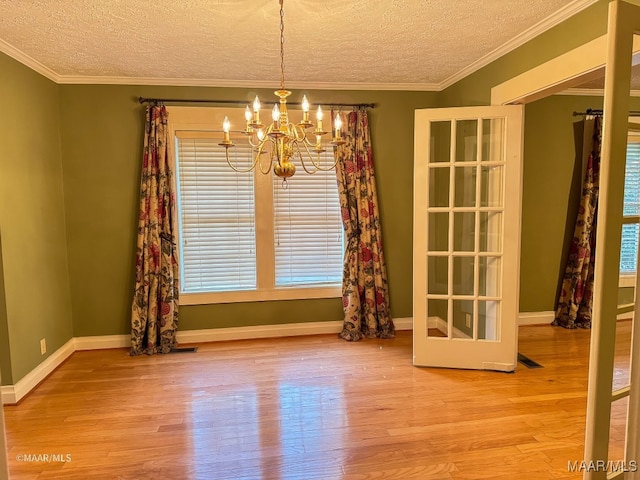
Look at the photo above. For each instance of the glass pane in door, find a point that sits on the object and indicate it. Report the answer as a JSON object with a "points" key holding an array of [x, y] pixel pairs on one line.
{"points": [[438, 317], [463, 275], [492, 139], [465, 187], [466, 140], [438, 271], [488, 317], [489, 275], [438, 232], [463, 318], [464, 228], [490, 232], [440, 142], [491, 186], [439, 187]]}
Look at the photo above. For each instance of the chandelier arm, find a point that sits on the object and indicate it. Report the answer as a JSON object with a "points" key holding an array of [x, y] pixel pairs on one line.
{"points": [[317, 165], [240, 170], [309, 142], [259, 142], [258, 159], [299, 134], [254, 145], [304, 165]]}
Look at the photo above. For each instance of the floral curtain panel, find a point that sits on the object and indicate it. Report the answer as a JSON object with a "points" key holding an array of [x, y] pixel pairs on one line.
{"points": [[576, 298], [154, 316], [365, 295]]}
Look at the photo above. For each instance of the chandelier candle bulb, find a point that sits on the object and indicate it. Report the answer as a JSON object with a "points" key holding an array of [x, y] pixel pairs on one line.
{"points": [[305, 110], [247, 116], [338, 125], [319, 119], [275, 116], [226, 127], [256, 112]]}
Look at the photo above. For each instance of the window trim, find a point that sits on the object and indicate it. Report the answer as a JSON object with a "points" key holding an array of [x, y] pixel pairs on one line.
{"points": [[627, 280], [207, 119], [260, 295]]}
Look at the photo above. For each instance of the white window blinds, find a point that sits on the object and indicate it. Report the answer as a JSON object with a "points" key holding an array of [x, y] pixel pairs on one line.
{"points": [[308, 228], [216, 221], [631, 208]]}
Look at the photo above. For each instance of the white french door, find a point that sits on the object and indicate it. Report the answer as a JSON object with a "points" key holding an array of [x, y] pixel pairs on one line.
{"points": [[467, 196]]}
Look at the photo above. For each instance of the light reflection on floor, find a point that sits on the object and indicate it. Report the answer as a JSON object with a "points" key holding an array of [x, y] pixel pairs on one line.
{"points": [[278, 429]]}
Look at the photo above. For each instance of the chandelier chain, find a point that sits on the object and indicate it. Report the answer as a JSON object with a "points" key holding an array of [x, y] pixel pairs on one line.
{"points": [[281, 45]]}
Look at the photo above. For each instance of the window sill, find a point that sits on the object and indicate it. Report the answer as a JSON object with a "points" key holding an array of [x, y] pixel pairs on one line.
{"points": [[627, 281], [302, 293]]}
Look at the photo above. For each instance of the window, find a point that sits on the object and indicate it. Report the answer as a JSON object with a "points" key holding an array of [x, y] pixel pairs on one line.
{"points": [[244, 236], [631, 213]]}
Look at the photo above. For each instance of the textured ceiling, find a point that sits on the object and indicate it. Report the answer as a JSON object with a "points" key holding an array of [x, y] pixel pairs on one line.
{"points": [[326, 41]]}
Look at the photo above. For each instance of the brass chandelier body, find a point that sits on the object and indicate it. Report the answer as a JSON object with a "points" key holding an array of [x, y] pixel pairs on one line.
{"points": [[283, 140]]}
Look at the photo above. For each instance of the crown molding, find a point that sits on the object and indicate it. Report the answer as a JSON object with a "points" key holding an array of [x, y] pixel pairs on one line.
{"points": [[546, 24], [583, 92], [196, 82], [28, 61], [592, 92]]}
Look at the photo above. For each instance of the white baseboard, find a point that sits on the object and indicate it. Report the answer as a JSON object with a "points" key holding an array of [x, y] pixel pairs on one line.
{"points": [[545, 318], [232, 333], [258, 331], [12, 394], [405, 323], [273, 331], [100, 342], [536, 318]]}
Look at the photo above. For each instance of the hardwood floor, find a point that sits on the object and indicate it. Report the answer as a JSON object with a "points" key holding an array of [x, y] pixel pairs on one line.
{"points": [[309, 408]]}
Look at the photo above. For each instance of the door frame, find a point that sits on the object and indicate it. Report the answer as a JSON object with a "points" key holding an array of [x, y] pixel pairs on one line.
{"points": [[573, 68]]}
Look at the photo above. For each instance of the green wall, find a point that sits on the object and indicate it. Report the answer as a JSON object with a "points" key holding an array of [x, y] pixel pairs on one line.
{"points": [[101, 152], [551, 194], [32, 220]]}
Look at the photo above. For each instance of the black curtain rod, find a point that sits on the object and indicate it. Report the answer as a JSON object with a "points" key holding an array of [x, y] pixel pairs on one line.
{"points": [[244, 102], [598, 113]]}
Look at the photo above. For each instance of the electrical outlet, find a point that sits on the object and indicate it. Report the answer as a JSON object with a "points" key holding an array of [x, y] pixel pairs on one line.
{"points": [[43, 346], [467, 320]]}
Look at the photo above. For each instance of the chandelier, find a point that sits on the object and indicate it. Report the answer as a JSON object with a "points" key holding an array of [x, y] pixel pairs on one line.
{"points": [[282, 140]]}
